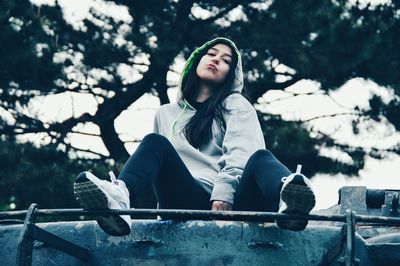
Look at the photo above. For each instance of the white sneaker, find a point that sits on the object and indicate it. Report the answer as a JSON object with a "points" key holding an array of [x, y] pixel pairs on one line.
{"points": [[297, 197], [94, 193]]}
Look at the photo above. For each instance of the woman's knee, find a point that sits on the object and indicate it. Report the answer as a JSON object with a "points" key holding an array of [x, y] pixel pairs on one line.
{"points": [[265, 160], [260, 155], [155, 138]]}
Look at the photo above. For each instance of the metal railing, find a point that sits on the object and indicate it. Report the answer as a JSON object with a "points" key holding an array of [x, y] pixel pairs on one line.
{"points": [[31, 232]]}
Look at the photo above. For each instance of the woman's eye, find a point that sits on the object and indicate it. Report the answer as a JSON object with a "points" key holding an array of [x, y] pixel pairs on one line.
{"points": [[226, 61]]}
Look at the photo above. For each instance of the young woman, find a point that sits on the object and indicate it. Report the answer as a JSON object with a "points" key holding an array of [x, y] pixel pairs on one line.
{"points": [[207, 152]]}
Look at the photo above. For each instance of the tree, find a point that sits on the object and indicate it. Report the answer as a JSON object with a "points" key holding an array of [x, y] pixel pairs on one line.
{"points": [[330, 42], [45, 175], [41, 175]]}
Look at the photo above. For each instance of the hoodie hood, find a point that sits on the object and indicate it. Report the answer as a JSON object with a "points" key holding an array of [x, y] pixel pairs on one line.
{"points": [[238, 82]]}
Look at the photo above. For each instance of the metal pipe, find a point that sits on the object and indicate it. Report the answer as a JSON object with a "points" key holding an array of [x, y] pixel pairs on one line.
{"points": [[181, 214], [204, 215]]}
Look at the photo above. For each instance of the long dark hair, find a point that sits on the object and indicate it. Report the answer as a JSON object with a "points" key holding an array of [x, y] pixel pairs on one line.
{"points": [[198, 131]]}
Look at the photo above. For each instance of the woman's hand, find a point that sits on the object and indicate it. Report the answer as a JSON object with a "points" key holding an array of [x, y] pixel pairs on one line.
{"points": [[219, 205]]}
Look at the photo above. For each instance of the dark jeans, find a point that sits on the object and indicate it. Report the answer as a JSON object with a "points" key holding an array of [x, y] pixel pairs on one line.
{"points": [[156, 162]]}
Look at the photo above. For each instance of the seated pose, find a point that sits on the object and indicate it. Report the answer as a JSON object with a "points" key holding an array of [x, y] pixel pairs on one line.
{"points": [[207, 152]]}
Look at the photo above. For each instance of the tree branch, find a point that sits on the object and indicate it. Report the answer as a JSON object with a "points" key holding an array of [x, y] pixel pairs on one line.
{"points": [[330, 115], [293, 94], [140, 64], [102, 156], [112, 141], [373, 151], [226, 10], [336, 102], [85, 133], [261, 88], [133, 141]]}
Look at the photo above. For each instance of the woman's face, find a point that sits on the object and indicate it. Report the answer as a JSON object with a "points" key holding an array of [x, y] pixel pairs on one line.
{"points": [[215, 64]]}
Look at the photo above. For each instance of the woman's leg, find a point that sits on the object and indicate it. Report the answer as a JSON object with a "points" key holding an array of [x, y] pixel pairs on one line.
{"points": [[261, 189], [156, 162], [260, 185]]}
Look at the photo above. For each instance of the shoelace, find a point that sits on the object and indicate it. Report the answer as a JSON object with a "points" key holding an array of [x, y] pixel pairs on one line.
{"points": [[116, 182], [113, 177], [298, 171], [121, 185]]}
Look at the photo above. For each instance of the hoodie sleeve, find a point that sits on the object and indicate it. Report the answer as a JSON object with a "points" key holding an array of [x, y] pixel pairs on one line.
{"points": [[243, 137], [156, 122]]}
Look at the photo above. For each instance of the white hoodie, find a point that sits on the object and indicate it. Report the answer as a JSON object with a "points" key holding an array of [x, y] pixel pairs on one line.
{"points": [[218, 165]]}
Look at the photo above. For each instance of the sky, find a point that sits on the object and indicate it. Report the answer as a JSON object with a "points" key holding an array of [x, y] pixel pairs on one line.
{"points": [[137, 120]]}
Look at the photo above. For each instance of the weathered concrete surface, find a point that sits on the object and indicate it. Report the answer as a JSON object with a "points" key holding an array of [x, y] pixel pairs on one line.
{"points": [[185, 243]]}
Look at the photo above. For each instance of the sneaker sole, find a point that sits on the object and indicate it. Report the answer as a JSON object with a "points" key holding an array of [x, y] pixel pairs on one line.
{"points": [[91, 197], [299, 199]]}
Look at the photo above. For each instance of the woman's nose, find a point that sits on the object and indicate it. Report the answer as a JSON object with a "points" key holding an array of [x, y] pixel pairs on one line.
{"points": [[215, 60]]}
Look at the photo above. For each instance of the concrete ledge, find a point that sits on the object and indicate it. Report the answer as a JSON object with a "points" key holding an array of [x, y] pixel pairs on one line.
{"points": [[154, 242]]}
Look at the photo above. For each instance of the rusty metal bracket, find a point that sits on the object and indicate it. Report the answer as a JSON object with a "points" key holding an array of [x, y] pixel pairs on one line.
{"points": [[25, 243], [30, 232], [350, 227], [394, 210], [350, 236]]}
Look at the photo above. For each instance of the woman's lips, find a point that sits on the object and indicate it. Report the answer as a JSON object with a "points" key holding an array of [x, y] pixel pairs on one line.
{"points": [[212, 66]]}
